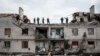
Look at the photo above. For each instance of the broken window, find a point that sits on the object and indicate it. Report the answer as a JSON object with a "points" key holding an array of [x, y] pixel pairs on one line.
{"points": [[25, 31], [41, 32], [57, 33], [57, 47], [81, 19], [74, 44], [66, 44], [91, 31], [75, 31], [8, 31], [7, 44], [91, 44], [24, 44]]}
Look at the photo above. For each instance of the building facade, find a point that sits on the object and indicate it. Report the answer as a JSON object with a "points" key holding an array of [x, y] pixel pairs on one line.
{"points": [[19, 37]]}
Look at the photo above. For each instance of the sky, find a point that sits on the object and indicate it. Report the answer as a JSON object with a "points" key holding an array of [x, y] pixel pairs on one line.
{"points": [[52, 9]]}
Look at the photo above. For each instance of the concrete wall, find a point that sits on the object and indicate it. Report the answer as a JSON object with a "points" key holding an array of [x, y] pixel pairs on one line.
{"points": [[16, 37], [16, 46], [81, 29]]}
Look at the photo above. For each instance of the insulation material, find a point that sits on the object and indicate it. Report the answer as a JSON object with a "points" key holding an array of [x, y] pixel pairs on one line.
{"points": [[75, 44], [57, 33]]}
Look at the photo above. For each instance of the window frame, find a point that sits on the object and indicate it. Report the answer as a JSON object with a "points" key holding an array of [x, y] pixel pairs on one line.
{"points": [[89, 29], [7, 44], [81, 19], [91, 44], [7, 31], [25, 44], [74, 31], [23, 31]]}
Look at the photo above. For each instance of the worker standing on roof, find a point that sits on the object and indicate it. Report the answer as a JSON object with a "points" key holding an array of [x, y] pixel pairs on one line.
{"points": [[38, 20], [48, 22], [66, 20], [34, 20], [62, 20], [43, 20]]}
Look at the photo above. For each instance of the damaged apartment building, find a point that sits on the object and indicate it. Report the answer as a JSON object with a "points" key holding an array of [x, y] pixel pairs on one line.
{"points": [[19, 37]]}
